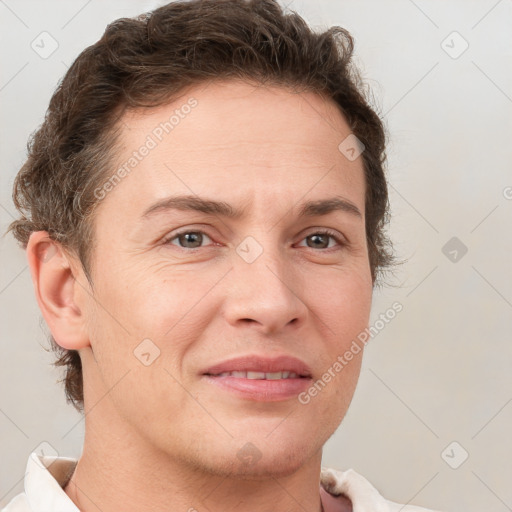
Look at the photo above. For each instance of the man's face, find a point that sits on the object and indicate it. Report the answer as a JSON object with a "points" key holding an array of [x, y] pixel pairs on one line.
{"points": [[267, 283]]}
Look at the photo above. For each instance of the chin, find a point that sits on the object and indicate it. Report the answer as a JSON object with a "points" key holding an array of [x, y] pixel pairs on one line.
{"points": [[277, 459], [243, 460], [263, 469]]}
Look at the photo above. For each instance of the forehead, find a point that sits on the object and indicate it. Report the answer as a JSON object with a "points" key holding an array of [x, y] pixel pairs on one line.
{"points": [[219, 138]]}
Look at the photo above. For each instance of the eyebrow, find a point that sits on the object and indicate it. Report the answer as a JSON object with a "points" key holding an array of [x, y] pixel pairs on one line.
{"points": [[221, 208]]}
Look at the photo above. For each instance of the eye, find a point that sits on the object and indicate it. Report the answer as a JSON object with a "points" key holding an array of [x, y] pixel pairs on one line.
{"points": [[319, 239], [194, 239], [187, 239]]}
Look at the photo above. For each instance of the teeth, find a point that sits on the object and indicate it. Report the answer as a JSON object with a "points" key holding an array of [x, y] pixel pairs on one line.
{"points": [[255, 375], [259, 375]]}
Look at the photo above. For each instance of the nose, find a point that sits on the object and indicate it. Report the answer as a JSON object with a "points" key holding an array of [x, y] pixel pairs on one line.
{"points": [[265, 293]]}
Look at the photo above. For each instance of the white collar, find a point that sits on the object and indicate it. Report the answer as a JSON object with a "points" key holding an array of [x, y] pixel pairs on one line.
{"points": [[43, 483]]}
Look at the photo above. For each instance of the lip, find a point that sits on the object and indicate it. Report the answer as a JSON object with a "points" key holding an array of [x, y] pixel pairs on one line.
{"points": [[260, 390], [255, 363]]}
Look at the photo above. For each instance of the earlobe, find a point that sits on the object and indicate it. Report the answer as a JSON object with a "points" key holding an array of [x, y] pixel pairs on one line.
{"points": [[57, 291]]}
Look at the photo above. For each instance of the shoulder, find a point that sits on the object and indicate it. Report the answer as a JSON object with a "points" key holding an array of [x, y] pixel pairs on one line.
{"points": [[363, 495]]}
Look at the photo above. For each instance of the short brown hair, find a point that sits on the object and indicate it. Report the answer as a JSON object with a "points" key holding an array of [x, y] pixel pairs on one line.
{"points": [[144, 62]]}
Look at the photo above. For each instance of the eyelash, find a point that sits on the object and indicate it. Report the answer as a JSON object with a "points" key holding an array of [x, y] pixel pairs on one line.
{"points": [[322, 232]]}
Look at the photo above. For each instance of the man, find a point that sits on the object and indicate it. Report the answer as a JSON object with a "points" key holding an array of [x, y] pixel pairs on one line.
{"points": [[203, 213]]}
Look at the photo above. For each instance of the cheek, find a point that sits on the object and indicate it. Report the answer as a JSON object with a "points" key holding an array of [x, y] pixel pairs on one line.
{"points": [[142, 302], [171, 311], [342, 300]]}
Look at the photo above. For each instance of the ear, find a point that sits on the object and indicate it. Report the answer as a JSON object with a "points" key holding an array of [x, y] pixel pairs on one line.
{"points": [[57, 291]]}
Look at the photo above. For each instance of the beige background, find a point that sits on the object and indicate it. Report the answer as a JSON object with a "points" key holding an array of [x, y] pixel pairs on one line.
{"points": [[440, 371]]}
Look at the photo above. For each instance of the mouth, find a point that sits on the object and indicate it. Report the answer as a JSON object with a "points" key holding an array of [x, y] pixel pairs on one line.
{"points": [[253, 375], [260, 378], [254, 366], [259, 386]]}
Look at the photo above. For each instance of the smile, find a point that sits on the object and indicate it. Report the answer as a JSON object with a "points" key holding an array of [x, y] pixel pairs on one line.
{"points": [[259, 375]]}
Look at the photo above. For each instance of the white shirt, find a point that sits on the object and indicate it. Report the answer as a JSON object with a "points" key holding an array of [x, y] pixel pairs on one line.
{"points": [[46, 476]]}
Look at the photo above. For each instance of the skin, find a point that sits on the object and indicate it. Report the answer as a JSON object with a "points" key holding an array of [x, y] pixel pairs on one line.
{"points": [[160, 437]]}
